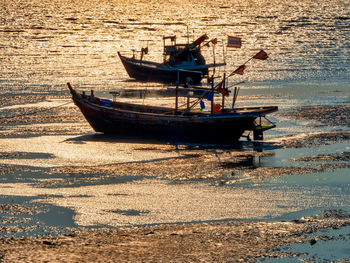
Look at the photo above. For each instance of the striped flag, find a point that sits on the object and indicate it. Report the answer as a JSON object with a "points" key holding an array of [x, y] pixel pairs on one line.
{"points": [[234, 42]]}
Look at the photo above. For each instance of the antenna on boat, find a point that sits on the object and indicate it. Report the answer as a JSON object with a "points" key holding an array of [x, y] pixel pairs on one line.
{"points": [[214, 59]]}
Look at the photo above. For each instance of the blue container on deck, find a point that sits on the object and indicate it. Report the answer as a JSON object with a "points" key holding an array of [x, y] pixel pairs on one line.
{"points": [[106, 103]]}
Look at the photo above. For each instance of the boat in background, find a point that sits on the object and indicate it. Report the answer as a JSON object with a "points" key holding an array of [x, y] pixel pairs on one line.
{"points": [[181, 62], [176, 125]]}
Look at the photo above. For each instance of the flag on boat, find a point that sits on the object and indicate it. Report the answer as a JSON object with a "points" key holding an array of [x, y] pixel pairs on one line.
{"points": [[234, 42], [198, 41], [219, 88], [214, 41], [262, 55], [239, 70]]}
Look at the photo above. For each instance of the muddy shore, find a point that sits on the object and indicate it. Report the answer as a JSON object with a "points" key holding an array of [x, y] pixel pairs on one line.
{"points": [[225, 242], [233, 241]]}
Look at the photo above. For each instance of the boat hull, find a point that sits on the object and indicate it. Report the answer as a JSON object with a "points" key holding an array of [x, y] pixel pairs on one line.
{"points": [[215, 129], [164, 124], [148, 71]]}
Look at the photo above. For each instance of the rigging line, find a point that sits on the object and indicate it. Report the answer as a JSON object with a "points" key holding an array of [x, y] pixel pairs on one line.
{"points": [[35, 112]]}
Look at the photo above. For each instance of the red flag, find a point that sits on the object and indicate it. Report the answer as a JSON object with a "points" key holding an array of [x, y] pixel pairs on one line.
{"points": [[234, 42], [221, 90], [198, 41], [239, 70], [262, 55], [214, 41]]}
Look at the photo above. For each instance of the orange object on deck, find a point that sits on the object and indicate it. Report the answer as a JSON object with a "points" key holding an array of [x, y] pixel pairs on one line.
{"points": [[216, 108]]}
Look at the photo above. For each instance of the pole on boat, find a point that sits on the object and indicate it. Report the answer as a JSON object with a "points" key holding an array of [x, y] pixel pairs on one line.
{"points": [[224, 55], [223, 96], [235, 95], [188, 36], [176, 97], [177, 92], [164, 53], [214, 59], [212, 95]]}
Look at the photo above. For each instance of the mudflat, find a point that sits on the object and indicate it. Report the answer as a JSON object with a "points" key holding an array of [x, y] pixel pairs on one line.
{"points": [[225, 242], [219, 240]]}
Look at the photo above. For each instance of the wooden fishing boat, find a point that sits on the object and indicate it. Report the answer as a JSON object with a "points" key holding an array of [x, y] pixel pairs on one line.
{"points": [[180, 62], [170, 124]]}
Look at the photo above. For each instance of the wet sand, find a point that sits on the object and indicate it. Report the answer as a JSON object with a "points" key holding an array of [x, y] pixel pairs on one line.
{"points": [[230, 240], [225, 242]]}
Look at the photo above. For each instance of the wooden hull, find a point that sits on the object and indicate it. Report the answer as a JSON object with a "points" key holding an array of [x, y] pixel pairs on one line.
{"points": [[138, 121], [128, 124], [148, 71]]}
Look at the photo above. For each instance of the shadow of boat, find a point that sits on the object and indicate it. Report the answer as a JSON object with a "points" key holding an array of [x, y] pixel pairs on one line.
{"points": [[238, 146]]}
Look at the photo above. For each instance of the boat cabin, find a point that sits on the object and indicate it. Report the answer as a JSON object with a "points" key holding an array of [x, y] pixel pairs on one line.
{"points": [[182, 54]]}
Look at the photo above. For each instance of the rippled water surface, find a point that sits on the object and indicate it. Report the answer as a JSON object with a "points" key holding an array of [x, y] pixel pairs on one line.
{"points": [[46, 43]]}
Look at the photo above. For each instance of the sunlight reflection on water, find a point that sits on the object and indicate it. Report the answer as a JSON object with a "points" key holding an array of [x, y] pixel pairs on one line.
{"points": [[50, 43]]}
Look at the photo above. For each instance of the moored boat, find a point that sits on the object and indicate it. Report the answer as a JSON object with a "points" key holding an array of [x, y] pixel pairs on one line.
{"points": [[170, 124], [180, 62]]}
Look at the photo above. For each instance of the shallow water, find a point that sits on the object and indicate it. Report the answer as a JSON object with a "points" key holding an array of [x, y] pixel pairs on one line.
{"points": [[332, 245], [125, 202], [47, 43]]}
